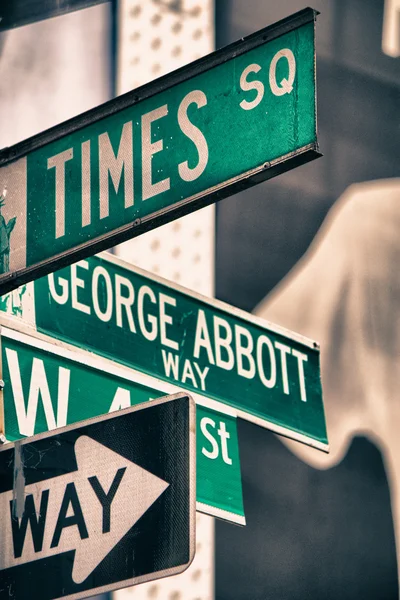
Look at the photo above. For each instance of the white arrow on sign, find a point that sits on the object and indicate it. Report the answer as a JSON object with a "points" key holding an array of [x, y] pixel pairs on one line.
{"points": [[88, 510]]}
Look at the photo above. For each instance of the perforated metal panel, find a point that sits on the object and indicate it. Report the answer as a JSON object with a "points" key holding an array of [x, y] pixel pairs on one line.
{"points": [[155, 37]]}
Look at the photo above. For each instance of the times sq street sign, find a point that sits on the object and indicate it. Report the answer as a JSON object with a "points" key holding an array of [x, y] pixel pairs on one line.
{"points": [[228, 121]]}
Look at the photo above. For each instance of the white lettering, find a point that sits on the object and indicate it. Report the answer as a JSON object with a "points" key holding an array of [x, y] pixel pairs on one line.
{"points": [[270, 382], [122, 399], [202, 338], [251, 85], [171, 364], [38, 386], [113, 165], [213, 454], [188, 373], [202, 375], [149, 334], [150, 148], [286, 84], [284, 350], [193, 133], [125, 301], [223, 342], [224, 435], [97, 273], [77, 282], [58, 162], [166, 320], [244, 352], [301, 359], [59, 298]]}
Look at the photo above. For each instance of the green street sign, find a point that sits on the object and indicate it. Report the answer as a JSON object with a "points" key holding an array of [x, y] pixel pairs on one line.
{"points": [[223, 123], [267, 374], [49, 384]]}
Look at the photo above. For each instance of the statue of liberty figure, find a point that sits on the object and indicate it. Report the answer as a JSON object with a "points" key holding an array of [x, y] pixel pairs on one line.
{"points": [[5, 232]]}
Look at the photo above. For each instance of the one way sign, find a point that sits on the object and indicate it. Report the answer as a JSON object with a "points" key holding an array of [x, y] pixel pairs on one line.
{"points": [[100, 505]]}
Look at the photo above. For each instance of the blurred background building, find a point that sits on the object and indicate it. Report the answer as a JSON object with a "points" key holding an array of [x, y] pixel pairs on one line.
{"points": [[317, 526], [324, 527]]}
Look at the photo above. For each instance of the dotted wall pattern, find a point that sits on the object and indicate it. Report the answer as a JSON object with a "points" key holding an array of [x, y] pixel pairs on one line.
{"points": [[156, 37]]}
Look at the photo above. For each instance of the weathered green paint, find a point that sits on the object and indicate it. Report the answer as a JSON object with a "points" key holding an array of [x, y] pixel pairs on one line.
{"points": [[238, 118], [46, 387], [269, 375], [113, 309]]}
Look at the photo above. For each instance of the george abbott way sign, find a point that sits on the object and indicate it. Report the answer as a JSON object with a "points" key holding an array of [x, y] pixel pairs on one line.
{"points": [[48, 384], [100, 505], [267, 374], [223, 123]]}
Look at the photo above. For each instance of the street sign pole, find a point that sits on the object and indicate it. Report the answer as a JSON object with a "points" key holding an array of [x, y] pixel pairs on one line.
{"points": [[100, 505], [228, 121]]}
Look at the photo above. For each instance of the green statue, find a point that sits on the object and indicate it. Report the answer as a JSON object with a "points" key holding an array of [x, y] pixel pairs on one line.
{"points": [[5, 232]]}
